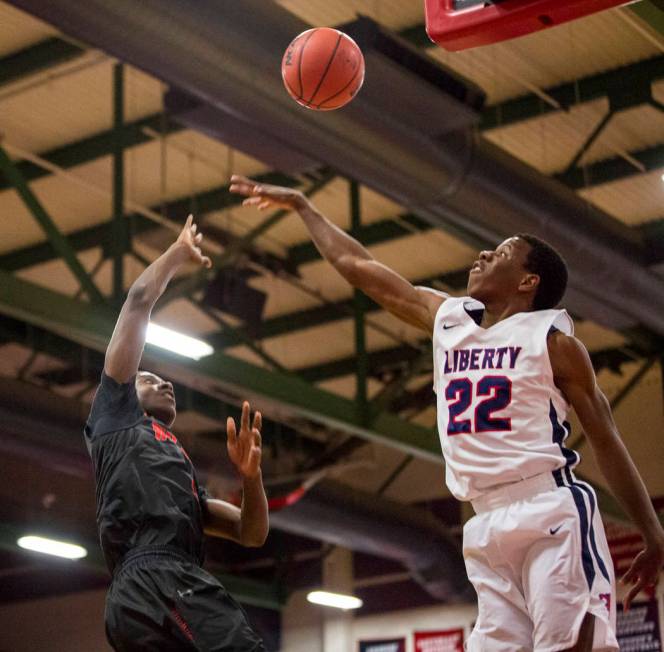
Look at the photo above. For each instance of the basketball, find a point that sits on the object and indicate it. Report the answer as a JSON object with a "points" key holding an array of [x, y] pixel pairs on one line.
{"points": [[323, 69]]}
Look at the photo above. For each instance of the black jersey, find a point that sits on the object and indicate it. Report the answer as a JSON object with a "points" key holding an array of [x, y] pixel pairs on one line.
{"points": [[147, 492]]}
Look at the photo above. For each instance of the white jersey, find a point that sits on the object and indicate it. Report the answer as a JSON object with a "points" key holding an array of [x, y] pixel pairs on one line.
{"points": [[501, 418]]}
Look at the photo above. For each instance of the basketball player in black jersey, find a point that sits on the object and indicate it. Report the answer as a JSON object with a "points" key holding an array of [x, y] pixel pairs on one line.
{"points": [[151, 511]]}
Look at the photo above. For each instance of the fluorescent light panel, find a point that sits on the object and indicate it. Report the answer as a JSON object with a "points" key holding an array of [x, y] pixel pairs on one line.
{"points": [[336, 600], [52, 547], [180, 343]]}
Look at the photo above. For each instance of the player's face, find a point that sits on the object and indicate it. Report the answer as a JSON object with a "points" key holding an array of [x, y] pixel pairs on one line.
{"points": [[156, 396], [499, 274]]}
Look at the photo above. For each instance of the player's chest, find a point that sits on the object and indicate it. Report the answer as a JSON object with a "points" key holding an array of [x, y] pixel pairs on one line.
{"points": [[158, 441]]}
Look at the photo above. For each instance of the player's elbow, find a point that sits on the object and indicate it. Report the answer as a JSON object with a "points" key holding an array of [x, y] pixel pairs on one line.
{"points": [[139, 296], [255, 538]]}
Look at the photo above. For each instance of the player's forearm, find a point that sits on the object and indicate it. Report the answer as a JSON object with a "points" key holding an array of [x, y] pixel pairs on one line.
{"points": [[627, 486], [254, 519], [333, 243], [150, 285], [126, 346]]}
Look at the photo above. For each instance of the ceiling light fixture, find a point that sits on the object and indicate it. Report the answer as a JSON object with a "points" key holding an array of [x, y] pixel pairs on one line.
{"points": [[336, 600], [180, 343], [52, 547]]}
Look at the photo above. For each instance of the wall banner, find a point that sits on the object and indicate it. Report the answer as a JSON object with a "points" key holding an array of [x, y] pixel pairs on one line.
{"points": [[448, 640], [638, 628]]}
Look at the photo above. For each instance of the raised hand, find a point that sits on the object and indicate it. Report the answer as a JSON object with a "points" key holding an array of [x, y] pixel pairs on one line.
{"points": [[265, 196], [644, 571], [192, 240], [244, 449]]}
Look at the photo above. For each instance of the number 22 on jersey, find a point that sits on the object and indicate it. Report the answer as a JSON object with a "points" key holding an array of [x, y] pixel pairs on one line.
{"points": [[461, 394]]}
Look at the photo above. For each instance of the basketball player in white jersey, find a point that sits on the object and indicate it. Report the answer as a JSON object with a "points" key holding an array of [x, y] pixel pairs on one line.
{"points": [[507, 368]]}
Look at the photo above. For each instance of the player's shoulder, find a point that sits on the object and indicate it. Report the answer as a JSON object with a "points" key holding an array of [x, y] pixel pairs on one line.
{"points": [[566, 352]]}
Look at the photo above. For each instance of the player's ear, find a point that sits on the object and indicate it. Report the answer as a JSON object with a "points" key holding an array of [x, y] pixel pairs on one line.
{"points": [[529, 283]]}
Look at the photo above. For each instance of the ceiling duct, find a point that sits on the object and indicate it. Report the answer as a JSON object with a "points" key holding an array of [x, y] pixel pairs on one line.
{"points": [[228, 54], [343, 516]]}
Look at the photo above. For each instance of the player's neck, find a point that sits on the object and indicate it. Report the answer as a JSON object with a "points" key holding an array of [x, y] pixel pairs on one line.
{"points": [[496, 311]]}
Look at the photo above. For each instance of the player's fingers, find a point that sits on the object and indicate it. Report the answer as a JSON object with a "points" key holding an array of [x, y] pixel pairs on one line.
{"points": [[241, 179], [629, 576], [263, 205], [198, 255], [633, 592], [258, 421], [190, 219], [194, 228], [252, 201], [207, 262], [242, 188], [257, 437], [244, 426], [198, 238], [230, 430]]}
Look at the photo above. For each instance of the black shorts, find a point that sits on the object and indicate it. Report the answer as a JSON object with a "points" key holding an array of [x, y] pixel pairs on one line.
{"points": [[161, 601]]}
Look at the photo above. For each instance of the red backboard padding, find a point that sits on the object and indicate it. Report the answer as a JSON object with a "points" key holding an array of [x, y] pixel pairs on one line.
{"points": [[458, 29]]}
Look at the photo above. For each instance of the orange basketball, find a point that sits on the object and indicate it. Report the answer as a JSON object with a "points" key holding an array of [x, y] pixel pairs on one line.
{"points": [[323, 69]]}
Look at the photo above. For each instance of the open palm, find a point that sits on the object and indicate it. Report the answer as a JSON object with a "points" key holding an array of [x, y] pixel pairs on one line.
{"points": [[244, 448]]}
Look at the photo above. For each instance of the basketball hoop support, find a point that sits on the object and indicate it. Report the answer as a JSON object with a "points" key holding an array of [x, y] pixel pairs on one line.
{"points": [[459, 25]]}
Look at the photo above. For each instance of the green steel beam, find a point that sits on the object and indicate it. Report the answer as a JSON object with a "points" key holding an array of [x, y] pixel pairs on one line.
{"points": [[57, 240], [120, 234], [92, 236], [97, 145], [570, 94], [192, 284], [651, 12], [35, 58], [359, 308], [378, 362], [85, 364], [207, 201], [92, 326], [613, 169], [330, 312], [367, 234]]}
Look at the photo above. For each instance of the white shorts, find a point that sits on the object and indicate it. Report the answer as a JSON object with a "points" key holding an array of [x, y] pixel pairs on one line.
{"points": [[537, 556]]}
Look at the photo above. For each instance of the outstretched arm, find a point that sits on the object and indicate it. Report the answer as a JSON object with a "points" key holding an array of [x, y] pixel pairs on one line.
{"points": [[387, 288], [575, 377], [249, 524], [124, 351]]}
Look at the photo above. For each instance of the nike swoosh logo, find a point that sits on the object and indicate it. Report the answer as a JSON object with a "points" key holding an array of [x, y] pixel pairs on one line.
{"points": [[446, 327], [553, 531]]}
